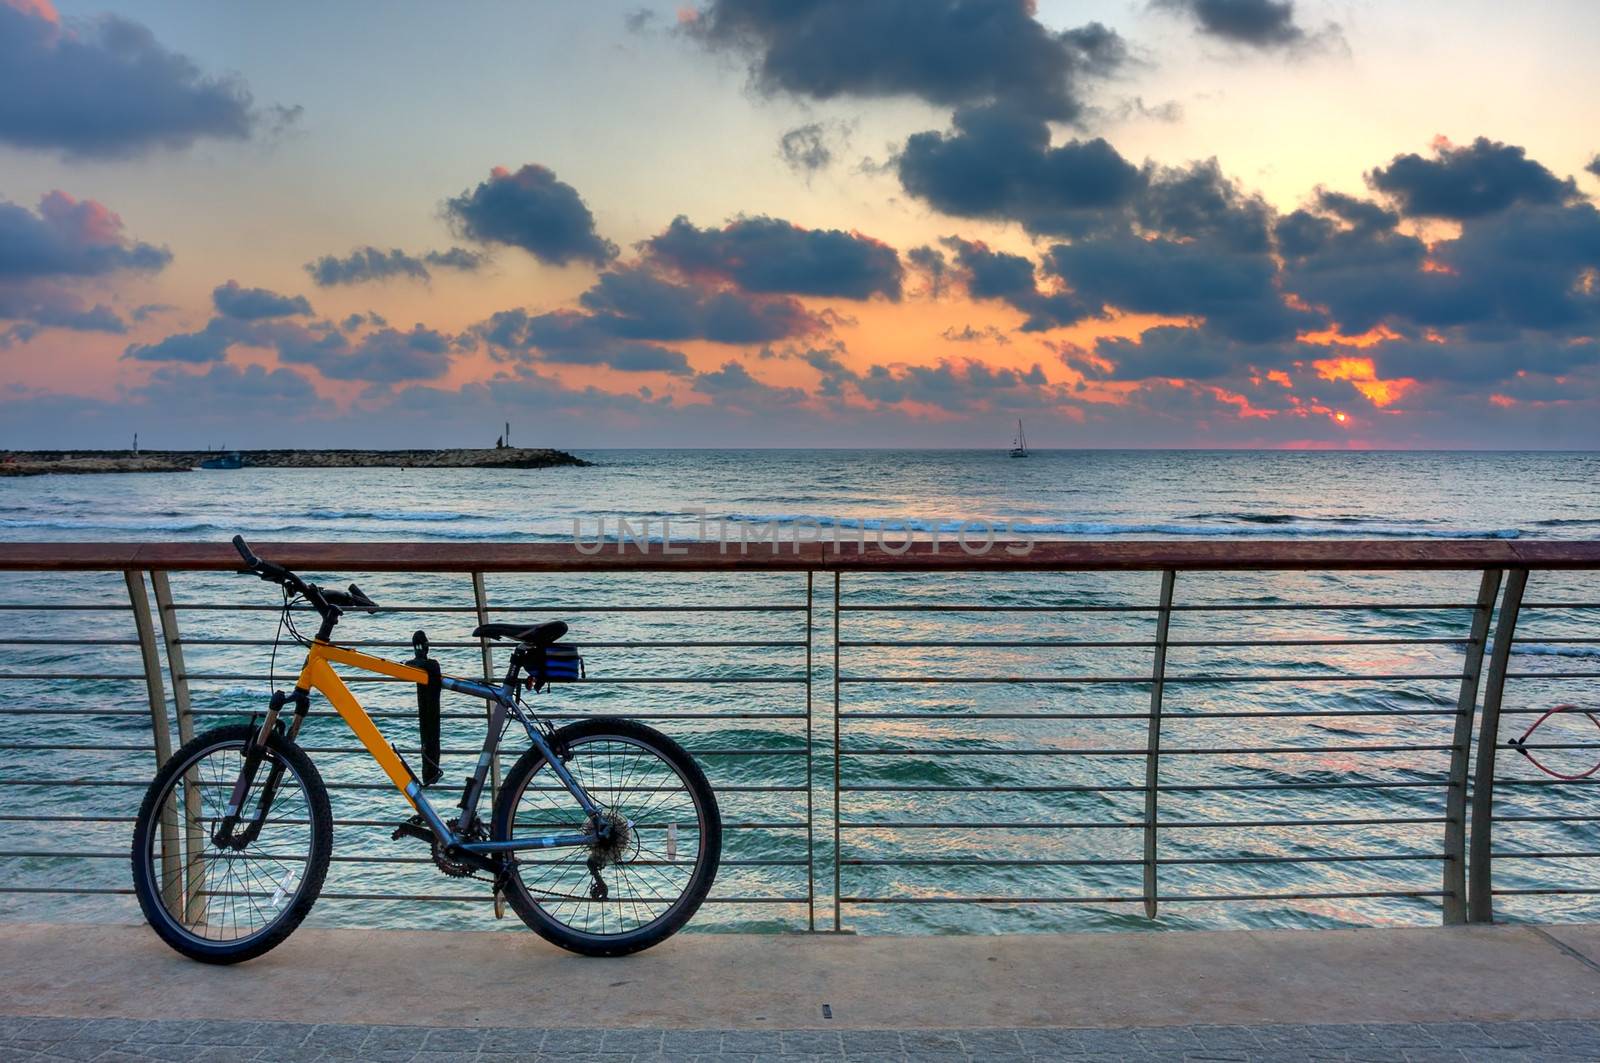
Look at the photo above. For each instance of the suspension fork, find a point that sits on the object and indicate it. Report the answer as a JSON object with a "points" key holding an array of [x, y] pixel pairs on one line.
{"points": [[224, 837]]}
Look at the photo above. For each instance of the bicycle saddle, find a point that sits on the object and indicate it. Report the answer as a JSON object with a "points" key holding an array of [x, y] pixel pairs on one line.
{"points": [[531, 634]]}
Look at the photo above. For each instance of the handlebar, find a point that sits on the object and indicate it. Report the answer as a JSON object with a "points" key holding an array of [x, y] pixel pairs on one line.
{"points": [[322, 600]]}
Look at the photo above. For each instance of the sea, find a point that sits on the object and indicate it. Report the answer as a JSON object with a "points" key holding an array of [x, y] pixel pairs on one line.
{"points": [[992, 750]]}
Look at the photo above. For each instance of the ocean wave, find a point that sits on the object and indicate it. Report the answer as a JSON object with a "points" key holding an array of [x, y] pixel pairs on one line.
{"points": [[1568, 522], [58, 524], [1319, 529], [1559, 650], [425, 516]]}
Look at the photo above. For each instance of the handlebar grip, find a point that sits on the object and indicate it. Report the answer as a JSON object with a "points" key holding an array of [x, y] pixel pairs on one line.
{"points": [[245, 552]]}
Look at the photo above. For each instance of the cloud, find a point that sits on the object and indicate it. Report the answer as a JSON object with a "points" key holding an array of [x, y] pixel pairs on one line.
{"points": [[931, 261], [1468, 182], [382, 355], [250, 304], [209, 344], [385, 356], [1594, 166], [769, 255], [636, 302], [566, 337], [950, 52], [998, 163], [107, 88], [1174, 352], [1011, 279], [1521, 268], [1257, 23], [968, 334], [532, 210], [805, 149], [222, 391], [967, 386], [733, 386], [1202, 249], [69, 237], [370, 264], [47, 255]]}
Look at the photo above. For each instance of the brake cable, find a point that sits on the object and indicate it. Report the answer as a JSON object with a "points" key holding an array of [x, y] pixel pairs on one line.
{"points": [[1519, 744]]}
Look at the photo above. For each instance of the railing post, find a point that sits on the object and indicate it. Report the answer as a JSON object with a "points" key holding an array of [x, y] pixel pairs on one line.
{"points": [[159, 730], [480, 598], [1455, 816], [194, 868], [838, 810], [1480, 873], [811, 832], [1152, 757]]}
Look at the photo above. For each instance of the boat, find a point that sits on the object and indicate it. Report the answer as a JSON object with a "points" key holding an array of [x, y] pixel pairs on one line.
{"points": [[233, 460], [1019, 445]]}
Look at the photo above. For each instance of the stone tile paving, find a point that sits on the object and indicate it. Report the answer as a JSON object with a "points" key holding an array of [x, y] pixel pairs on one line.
{"points": [[190, 1040]]}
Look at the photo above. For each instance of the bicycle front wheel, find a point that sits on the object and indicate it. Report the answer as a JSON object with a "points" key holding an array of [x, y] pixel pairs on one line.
{"points": [[648, 878], [230, 902]]}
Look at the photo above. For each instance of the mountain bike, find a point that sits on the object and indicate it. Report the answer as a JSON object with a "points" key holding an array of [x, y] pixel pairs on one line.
{"points": [[605, 836]]}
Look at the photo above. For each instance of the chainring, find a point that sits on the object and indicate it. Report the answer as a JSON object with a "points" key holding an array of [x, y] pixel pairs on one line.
{"points": [[453, 867]]}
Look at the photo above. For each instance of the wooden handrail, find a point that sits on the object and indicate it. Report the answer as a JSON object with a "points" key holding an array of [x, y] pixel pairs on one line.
{"points": [[1076, 555]]}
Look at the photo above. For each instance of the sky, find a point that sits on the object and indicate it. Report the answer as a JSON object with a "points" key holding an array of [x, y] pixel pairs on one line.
{"points": [[749, 223]]}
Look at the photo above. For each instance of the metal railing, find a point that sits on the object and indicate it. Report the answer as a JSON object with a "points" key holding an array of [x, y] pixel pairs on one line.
{"points": [[1123, 727]]}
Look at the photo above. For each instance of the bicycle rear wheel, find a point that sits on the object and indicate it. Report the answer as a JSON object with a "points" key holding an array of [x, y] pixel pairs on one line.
{"points": [[223, 904], [655, 870]]}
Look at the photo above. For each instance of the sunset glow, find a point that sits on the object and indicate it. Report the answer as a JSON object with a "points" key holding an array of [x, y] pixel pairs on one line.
{"points": [[718, 235]]}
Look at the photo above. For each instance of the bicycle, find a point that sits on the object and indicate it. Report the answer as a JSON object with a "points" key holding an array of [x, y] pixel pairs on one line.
{"points": [[605, 836]]}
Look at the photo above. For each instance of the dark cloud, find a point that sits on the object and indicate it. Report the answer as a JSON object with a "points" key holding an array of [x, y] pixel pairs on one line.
{"points": [[69, 237], [1258, 23], [384, 356], [931, 261], [732, 385], [456, 258], [106, 87], [968, 334], [566, 337], [47, 255], [948, 52], [1523, 267], [209, 344], [1012, 280], [1235, 291], [1594, 166], [805, 149], [1468, 182], [1485, 363], [1198, 203], [370, 264], [998, 163], [532, 210], [769, 255], [972, 385], [223, 391], [635, 302], [1179, 353], [249, 304]]}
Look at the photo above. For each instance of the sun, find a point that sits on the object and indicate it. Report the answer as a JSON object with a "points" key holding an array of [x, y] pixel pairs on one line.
{"points": [[1341, 417]]}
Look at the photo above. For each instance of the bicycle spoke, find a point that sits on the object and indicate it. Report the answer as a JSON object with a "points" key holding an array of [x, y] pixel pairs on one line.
{"points": [[645, 795]]}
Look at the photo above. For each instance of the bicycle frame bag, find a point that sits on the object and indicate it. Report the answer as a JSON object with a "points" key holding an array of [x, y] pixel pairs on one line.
{"points": [[557, 663], [428, 709]]}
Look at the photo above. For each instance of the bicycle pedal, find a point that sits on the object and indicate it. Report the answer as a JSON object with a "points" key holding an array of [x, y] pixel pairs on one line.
{"points": [[412, 828]]}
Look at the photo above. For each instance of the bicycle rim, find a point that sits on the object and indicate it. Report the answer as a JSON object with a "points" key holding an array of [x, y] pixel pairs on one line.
{"points": [[214, 895], [647, 875]]}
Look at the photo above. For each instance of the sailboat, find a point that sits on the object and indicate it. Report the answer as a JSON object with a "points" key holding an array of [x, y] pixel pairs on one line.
{"points": [[1019, 445]]}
